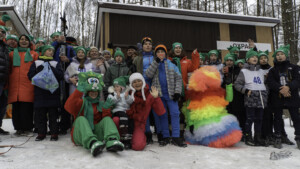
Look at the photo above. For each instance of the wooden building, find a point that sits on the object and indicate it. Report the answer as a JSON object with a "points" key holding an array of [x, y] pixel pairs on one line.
{"points": [[124, 25]]}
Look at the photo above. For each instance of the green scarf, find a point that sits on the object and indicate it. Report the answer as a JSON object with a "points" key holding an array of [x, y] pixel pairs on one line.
{"points": [[17, 58], [10, 49], [88, 109], [177, 60]]}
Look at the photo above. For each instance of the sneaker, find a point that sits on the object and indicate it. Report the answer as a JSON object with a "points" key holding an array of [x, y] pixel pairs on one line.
{"points": [[114, 145], [40, 137], [285, 140], [3, 132], [54, 137], [177, 141], [163, 142], [277, 143], [248, 140], [97, 148]]}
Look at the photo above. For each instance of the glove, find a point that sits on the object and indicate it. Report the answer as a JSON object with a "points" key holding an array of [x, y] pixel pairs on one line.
{"points": [[108, 104], [157, 59], [176, 97], [39, 68]]}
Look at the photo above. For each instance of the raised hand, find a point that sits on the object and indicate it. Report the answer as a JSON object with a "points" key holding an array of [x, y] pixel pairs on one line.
{"points": [[195, 51], [154, 91]]}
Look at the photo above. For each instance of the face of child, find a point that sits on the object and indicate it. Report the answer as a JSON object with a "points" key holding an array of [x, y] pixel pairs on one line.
{"points": [[49, 52], [241, 65], [93, 94], [253, 60], [55, 38], [119, 59], [280, 56], [12, 43], [24, 42], [263, 60], [229, 63], [106, 56], [213, 58], [80, 55], [117, 88], [130, 52], [177, 50], [237, 53], [137, 84], [39, 44], [94, 53], [147, 46], [161, 54], [201, 62]]}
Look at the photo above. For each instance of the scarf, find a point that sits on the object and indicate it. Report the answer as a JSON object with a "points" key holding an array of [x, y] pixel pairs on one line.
{"points": [[177, 60], [88, 109], [45, 58], [17, 58]]}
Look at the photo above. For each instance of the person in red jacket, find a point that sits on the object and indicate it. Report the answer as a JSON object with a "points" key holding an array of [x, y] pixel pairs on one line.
{"points": [[143, 101], [93, 127]]}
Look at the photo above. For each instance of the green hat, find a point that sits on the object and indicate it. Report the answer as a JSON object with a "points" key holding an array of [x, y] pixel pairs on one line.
{"points": [[4, 28], [5, 18], [203, 55], [122, 81], [240, 61], [41, 40], [229, 56], [174, 45], [284, 49], [216, 52], [250, 54], [89, 81], [263, 53], [118, 52], [31, 38], [46, 47], [232, 49], [12, 37], [77, 49], [55, 34]]}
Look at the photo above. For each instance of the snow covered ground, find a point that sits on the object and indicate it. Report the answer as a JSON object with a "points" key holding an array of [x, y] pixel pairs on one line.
{"points": [[63, 154]]}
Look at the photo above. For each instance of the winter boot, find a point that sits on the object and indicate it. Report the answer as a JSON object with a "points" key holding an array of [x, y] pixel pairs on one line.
{"points": [[40, 137], [114, 145], [54, 137], [3, 132], [277, 143], [258, 141], [285, 140], [97, 147], [163, 142], [127, 144], [298, 144], [270, 140], [177, 141], [248, 140], [149, 138]]}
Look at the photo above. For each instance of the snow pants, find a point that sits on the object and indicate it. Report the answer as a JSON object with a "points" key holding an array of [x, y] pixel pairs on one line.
{"points": [[84, 135], [173, 108], [22, 115], [41, 120], [254, 115], [138, 142]]}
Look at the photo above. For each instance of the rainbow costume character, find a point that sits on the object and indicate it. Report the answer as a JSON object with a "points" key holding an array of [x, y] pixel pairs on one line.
{"points": [[208, 122]]}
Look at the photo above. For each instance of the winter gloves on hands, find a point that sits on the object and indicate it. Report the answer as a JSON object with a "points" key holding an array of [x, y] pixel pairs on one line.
{"points": [[176, 97]]}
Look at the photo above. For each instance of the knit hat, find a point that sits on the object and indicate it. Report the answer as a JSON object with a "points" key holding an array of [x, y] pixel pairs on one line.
{"points": [[5, 29], [71, 41], [121, 81], [161, 46], [133, 77], [216, 52], [284, 49], [119, 52], [263, 53], [250, 54], [203, 56], [176, 44], [12, 37], [77, 49], [232, 49], [106, 51], [55, 34], [229, 56], [89, 81], [146, 39], [240, 61], [41, 40], [43, 49], [4, 19]]}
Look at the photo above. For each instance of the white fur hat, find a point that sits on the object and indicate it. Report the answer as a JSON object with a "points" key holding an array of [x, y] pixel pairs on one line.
{"points": [[133, 77]]}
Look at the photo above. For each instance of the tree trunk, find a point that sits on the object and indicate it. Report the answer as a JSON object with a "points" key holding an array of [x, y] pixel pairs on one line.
{"points": [[215, 5], [258, 7], [39, 20], [32, 21], [179, 4], [27, 13]]}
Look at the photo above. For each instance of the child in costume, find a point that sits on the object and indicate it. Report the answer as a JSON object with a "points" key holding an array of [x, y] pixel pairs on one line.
{"points": [[202, 60], [46, 102], [214, 60], [80, 63], [144, 101], [93, 127], [250, 82], [283, 82], [119, 95], [167, 79]]}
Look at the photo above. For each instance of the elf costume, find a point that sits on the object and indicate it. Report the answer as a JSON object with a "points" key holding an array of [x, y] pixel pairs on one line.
{"points": [[93, 127]]}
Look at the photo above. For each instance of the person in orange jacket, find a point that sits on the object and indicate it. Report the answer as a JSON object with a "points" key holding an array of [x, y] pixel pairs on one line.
{"points": [[20, 89]]}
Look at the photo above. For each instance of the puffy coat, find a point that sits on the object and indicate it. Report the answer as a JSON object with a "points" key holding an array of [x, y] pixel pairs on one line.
{"points": [[115, 71], [4, 62]]}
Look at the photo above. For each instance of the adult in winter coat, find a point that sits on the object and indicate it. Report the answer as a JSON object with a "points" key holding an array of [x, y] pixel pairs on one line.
{"points": [[131, 54], [4, 64], [99, 64], [93, 127], [70, 53], [21, 91], [108, 57], [284, 82]]}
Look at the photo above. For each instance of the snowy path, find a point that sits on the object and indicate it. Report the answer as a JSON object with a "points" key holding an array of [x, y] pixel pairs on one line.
{"points": [[63, 154]]}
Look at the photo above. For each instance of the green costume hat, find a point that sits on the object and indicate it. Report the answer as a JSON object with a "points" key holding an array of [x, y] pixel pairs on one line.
{"points": [[250, 54], [229, 56], [203, 56], [176, 44], [89, 81], [55, 34], [5, 29], [31, 38], [263, 53], [119, 52], [121, 81], [43, 49], [240, 61], [12, 37], [41, 40], [77, 49], [284, 49], [232, 49], [216, 52]]}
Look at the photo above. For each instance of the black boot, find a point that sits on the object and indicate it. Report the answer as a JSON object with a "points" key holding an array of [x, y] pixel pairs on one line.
{"points": [[258, 141], [164, 141], [285, 140], [277, 143], [3, 132], [40, 137], [298, 144], [248, 140], [270, 140], [149, 138], [159, 137], [177, 141]]}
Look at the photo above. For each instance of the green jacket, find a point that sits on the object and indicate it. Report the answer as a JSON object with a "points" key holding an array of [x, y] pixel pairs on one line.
{"points": [[115, 71]]}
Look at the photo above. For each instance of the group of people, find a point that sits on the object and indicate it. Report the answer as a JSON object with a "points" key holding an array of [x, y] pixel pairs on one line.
{"points": [[111, 97]]}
